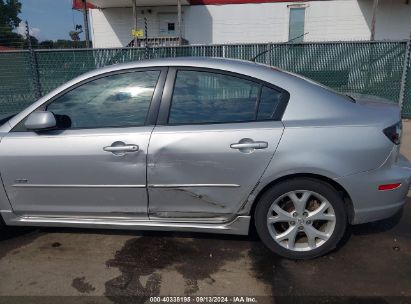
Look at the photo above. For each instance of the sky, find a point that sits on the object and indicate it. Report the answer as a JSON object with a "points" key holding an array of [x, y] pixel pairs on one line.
{"points": [[49, 19]]}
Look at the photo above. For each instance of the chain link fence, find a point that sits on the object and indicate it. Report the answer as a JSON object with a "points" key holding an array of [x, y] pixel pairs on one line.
{"points": [[406, 107], [406, 89], [373, 68]]}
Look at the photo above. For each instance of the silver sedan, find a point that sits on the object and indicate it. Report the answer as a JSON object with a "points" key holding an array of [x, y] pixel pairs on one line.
{"points": [[208, 145]]}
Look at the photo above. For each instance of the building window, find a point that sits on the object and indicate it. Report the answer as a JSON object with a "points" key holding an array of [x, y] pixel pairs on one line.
{"points": [[297, 18], [171, 27]]}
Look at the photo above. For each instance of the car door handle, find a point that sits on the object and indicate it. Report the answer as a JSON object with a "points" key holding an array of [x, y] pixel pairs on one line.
{"points": [[120, 148], [126, 148], [250, 145]]}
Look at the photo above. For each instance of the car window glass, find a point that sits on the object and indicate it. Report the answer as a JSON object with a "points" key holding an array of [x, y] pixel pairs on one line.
{"points": [[204, 97], [119, 100], [270, 99]]}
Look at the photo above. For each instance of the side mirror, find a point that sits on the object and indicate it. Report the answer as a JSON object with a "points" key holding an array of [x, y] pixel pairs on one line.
{"points": [[40, 120]]}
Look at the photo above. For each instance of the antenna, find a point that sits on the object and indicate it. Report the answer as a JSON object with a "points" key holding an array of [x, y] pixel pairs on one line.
{"points": [[270, 49]]}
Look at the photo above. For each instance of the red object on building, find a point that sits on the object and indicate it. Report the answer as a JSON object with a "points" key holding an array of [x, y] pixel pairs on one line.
{"points": [[214, 2], [6, 48], [79, 5]]}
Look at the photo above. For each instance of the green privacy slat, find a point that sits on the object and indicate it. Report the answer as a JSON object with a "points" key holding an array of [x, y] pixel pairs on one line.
{"points": [[406, 107], [16, 88], [373, 68]]}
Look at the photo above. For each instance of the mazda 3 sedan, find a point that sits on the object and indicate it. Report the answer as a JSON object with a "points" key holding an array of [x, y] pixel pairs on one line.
{"points": [[207, 145]]}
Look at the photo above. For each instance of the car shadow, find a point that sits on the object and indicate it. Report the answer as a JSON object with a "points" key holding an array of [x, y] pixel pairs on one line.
{"points": [[9, 232], [371, 228], [379, 226], [150, 233]]}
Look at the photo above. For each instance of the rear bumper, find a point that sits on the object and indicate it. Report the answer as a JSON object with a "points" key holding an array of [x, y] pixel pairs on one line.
{"points": [[371, 204]]}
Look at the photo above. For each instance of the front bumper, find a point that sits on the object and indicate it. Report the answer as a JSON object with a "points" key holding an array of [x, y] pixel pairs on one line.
{"points": [[371, 204]]}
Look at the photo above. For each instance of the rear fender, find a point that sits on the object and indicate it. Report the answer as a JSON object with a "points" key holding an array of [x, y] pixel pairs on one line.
{"points": [[328, 151], [271, 177]]}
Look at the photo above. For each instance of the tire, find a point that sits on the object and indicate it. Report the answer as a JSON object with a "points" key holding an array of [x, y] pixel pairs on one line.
{"points": [[317, 230], [3, 226]]}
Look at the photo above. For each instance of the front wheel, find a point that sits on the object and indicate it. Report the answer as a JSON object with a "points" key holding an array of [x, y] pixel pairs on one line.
{"points": [[301, 218]]}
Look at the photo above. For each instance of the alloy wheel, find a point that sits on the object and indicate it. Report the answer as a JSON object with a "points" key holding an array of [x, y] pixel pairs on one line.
{"points": [[301, 220]]}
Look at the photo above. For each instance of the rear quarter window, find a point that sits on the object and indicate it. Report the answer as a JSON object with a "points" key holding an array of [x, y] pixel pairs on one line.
{"points": [[270, 100]]}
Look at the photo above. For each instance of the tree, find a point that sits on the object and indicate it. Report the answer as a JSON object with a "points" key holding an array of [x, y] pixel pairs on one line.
{"points": [[9, 12], [46, 44], [34, 42], [60, 44], [9, 20]]}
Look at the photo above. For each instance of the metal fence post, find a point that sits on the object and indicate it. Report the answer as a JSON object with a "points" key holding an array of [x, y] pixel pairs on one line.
{"points": [[33, 65], [407, 63], [145, 38]]}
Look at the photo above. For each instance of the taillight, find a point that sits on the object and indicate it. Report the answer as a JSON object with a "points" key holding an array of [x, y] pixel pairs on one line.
{"points": [[389, 186], [394, 133]]}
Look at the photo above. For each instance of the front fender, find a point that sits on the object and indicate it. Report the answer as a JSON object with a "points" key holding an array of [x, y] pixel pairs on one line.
{"points": [[4, 200]]}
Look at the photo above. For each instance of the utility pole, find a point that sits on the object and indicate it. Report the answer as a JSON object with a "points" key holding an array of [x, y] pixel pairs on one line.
{"points": [[374, 19], [86, 30], [145, 38], [135, 21], [180, 31], [33, 64]]}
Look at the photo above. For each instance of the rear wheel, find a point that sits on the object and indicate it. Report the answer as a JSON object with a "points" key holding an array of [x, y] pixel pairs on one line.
{"points": [[301, 218]]}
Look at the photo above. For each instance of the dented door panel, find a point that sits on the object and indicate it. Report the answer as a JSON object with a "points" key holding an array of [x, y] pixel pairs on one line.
{"points": [[194, 172]]}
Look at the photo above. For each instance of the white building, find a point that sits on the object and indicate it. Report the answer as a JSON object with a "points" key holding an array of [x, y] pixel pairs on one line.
{"points": [[246, 21]]}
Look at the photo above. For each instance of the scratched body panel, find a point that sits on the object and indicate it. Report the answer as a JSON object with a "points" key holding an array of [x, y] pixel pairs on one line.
{"points": [[220, 178]]}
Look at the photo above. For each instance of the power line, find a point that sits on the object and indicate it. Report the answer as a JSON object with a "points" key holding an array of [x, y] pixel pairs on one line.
{"points": [[272, 48]]}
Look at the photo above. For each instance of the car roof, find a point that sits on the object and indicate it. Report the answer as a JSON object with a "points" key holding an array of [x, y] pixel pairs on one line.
{"points": [[285, 80], [248, 68], [207, 62]]}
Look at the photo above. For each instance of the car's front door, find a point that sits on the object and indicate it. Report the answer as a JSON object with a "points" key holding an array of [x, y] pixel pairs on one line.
{"points": [[95, 163], [217, 133]]}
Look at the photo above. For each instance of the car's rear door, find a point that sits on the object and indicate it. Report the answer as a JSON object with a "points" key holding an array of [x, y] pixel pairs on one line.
{"points": [[216, 134], [95, 164]]}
